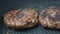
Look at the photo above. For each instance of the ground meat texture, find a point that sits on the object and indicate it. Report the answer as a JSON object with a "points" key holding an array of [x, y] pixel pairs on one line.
{"points": [[50, 17], [21, 18]]}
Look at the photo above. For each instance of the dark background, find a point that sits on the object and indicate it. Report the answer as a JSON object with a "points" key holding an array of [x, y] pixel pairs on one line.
{"points": [[16, 4]]}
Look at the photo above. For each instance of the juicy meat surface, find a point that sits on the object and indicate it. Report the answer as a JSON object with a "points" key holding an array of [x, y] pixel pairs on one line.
{"points": [[50, 17], [21, 18]]}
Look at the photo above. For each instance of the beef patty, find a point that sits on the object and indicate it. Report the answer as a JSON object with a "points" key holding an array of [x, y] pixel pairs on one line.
{"points": [[21, 18], [50, 17]]}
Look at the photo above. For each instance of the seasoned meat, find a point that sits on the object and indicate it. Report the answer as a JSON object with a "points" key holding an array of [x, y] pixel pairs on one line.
{"points": [[21, 18], [50, 17]]}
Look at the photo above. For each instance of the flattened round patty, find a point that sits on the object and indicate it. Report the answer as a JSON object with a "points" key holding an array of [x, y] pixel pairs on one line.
{"points": [[50, 17], [21, 18]]}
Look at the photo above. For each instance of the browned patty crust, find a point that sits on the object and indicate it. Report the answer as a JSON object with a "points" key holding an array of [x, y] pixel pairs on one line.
{"points": [[21, 18], [50, 17]]}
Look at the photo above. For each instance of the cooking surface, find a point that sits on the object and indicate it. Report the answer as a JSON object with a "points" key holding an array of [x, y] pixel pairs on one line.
{"points": [[37, 4]]}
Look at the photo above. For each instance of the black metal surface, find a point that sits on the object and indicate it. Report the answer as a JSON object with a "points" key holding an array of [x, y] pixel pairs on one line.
{"points": [[16, 4]]}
